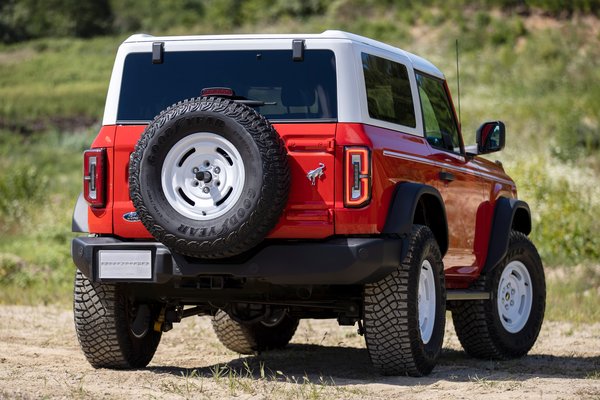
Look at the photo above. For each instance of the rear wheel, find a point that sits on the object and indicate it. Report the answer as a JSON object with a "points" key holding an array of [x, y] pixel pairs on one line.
{"points": [[254, 337], [507, 325], [113, 331], [404, 314]]}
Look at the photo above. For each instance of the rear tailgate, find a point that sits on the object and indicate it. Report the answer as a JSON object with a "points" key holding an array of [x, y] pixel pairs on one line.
{"points": [[309, 211]]}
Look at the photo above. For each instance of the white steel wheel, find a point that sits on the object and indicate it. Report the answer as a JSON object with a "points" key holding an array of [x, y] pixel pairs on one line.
{"points": [[515, 296], [426, 300], [203, 176]]}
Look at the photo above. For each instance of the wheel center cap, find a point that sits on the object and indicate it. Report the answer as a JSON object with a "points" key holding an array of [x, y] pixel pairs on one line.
{"points": [[204, 176]]}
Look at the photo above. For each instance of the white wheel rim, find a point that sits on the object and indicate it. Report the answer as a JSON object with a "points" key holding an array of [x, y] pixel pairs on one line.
{"points": [[204, 153], [515, 296], [426, 303]]}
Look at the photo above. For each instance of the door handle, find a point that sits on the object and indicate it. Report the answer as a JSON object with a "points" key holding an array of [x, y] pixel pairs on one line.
{"points": [[447, 176]]}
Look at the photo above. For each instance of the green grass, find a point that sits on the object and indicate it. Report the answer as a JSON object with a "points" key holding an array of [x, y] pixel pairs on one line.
{"points": [[573, 294], [40, 178], [49, 79]]}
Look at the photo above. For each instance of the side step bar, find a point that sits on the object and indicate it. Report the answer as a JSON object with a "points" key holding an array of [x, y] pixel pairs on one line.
{"points": [[452, 295]]}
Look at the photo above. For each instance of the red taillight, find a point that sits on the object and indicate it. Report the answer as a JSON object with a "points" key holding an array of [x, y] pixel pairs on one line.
{"points": [[94, 183], [357, 169], [218, 91]]}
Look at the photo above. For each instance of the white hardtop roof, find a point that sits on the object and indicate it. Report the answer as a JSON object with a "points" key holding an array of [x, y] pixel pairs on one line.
{"points": [[419, 63]]}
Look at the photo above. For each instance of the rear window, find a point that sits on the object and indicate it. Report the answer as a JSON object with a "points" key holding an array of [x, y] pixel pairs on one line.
{"points": [[388, 91], [297, 89]]}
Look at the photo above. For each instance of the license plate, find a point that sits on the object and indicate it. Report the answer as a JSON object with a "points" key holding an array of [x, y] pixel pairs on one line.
{"points": [[129, 264]]}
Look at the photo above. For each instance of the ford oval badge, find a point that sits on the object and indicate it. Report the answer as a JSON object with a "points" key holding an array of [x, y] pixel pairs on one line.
{"points": [[131, 217]]}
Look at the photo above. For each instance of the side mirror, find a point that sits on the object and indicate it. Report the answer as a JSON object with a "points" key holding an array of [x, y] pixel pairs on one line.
{"points": [[490, 137]]}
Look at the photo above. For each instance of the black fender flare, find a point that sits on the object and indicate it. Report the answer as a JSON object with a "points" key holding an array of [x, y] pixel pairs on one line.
{"points": [[508, 214], [403, 208], [80, 216]]}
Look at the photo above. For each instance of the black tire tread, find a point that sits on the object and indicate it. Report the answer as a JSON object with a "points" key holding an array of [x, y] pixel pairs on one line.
{"points": [[232, 334], [389, 331], [102, 330], [252, 338]]}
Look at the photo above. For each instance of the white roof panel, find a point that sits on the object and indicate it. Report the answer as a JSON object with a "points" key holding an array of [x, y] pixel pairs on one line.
{"points": [[419, 63]]}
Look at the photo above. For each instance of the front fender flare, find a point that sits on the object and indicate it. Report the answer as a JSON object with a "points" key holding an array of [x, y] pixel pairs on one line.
{"points": [[505, 214]]}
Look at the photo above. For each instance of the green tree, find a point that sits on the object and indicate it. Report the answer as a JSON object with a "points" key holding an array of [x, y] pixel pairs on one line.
{"points": [[25, 19]]}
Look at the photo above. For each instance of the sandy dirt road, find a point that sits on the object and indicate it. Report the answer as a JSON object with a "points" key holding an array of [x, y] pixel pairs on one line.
{"points": [[40, 358]]}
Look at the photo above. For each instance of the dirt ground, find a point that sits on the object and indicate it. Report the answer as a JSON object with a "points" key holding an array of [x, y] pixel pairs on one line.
{"points": [[40, 358]]}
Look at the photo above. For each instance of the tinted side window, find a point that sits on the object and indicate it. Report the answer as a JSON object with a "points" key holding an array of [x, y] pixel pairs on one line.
{"points": [[292, 90], [388, 91], [441, 130]]}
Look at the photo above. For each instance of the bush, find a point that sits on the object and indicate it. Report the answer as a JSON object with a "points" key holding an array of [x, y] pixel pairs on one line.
{"points": [[156, 16], [20, 188], [565, 210], [26, 19]]}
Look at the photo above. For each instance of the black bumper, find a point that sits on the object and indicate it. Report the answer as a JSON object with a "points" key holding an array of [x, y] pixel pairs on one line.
{"points": [[338, 261]]}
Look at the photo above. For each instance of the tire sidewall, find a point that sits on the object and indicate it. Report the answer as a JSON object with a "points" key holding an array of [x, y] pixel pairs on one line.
{"points": [[430, 351], [138, 350], [519, 343], [151, 164]]}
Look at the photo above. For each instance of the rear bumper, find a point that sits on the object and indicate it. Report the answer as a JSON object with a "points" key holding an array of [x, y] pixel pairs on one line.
{"points": [[338, 261]]}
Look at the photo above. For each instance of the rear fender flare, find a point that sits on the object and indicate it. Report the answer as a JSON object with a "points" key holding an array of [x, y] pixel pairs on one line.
{"points": [[407, 199]]}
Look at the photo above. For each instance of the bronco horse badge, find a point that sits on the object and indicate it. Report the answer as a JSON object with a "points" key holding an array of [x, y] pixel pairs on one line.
{"points": [[316, 173]]}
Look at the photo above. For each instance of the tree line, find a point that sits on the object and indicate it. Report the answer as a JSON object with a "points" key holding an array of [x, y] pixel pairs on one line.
{"points": [[29, 19]]}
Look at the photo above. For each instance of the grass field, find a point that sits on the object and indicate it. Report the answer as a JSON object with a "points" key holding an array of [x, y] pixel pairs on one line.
{"points": [[538, 74]]}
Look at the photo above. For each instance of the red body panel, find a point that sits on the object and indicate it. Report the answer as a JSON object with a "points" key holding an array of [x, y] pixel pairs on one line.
{"points": [[399, 157], [126, 138], [100, 219], [309, 211], [312, 209]]}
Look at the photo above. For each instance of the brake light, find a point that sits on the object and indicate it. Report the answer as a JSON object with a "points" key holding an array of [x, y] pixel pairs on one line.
{"points": [[218, 91], [94, 182], [357, 168]]}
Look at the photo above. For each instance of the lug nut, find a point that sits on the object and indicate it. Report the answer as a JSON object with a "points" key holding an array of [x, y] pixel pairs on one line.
{"points": [[512, 302], [206, 189], [206, 164], [217, 170], [195, 183], [195, 170]]}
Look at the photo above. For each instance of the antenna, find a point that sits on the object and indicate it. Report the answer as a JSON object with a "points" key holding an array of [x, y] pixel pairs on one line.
{"points": [[458, 83]]}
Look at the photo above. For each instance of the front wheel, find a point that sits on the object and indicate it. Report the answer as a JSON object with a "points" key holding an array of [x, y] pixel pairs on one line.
{"points": [[507, 325], [254, 337], [404, 313]]}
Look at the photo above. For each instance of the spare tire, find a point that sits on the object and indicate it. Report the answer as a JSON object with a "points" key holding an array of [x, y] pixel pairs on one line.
{"points": [[209, 177]]}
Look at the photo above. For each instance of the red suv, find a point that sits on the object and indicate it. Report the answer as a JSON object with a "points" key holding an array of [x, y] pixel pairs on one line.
{"points": [[261, 179]]}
